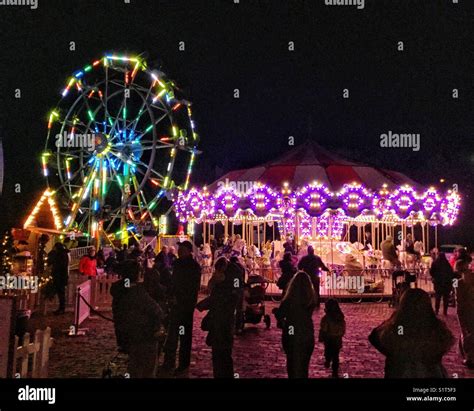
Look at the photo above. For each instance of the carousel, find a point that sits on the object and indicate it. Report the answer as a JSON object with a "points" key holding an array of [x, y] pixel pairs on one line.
{"points": [[311, 196]]}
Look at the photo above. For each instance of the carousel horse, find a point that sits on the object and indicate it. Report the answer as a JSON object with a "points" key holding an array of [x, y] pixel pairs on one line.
{"points": [[238, 247], [206, 255]]}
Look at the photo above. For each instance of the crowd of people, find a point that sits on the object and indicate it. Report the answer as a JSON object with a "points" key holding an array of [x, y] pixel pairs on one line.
{"points": [[158, 313]]}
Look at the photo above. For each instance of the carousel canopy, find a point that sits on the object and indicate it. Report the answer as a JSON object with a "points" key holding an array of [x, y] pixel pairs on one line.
{"points": [[311, 181], [308, 162]]}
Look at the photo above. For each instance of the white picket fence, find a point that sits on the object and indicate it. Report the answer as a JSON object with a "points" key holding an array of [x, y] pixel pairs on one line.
{"points": [[31, 358]]}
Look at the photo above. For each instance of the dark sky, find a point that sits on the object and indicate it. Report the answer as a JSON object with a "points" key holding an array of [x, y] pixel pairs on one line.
{"points": [[282, 93]]}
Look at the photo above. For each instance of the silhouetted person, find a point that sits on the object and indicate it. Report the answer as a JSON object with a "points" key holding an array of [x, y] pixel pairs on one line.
{"points": [[413, 339], [172, 255], [332, 329], [137, 320], [312, 264], [111, 263], [239, 291], [162, 259], [442, 274], [294, 316], [221, 304], [185, 284], [58, 259], [288, 270], [465, 311], [122, 253]]}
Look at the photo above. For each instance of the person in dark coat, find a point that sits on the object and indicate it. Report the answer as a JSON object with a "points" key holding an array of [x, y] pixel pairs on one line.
{"points": [[172, 255], [162, 259], [465, 312], [221, 317], [312, 264], [122, 253], [58, 259], [288, 270], [152, 283], [111, 263], [137, 321], [239, 285], [186, 281], [331, 331], [295, 317], [289, 246], [413, 339], [443, 275]]}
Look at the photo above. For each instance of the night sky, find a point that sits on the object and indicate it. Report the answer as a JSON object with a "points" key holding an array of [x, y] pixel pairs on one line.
{"points": [[282, 93]]}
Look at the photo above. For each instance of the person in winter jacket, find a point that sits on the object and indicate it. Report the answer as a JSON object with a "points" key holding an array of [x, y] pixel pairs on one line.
{"points": [[442, 274], [295, 317], [288, 270], [58, 259], [331, 331], [413, 339], [311, 264], [220, 319], [185, 284], [462, 263], [88, 264], [465, 308], [137, 321]]}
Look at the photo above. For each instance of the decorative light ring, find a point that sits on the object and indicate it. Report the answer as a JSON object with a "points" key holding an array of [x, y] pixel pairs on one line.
{"points": [[226, 201], [430, 201], [354, 198], [189, 205], [403, 200], [263, 200], [449, 209], [314, 198]]}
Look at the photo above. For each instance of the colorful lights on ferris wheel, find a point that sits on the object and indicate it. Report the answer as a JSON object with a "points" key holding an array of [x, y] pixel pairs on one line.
{"points": [[118, 162]]}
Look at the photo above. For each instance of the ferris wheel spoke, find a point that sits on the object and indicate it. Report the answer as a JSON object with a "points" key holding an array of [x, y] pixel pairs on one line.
{"points": [[90, 113], [151, 169], [73, 177], [151, 126], [142, 110]]}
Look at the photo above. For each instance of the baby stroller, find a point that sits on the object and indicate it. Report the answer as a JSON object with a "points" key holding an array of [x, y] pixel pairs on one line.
{"points": [[254, 301], [401, 281]]}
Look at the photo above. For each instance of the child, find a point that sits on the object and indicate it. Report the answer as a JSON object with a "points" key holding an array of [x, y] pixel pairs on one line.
{"points": [[219, 273], [332, 329]]}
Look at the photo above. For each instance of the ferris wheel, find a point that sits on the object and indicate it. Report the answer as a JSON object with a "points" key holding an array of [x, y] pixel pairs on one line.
{"points": [[120, 139]]}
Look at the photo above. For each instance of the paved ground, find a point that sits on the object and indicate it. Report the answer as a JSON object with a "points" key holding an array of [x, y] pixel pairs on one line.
{"points": [[257, 353]]}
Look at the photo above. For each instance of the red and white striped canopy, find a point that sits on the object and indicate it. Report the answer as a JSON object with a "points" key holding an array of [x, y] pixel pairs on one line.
{"points": [[310, 162]]}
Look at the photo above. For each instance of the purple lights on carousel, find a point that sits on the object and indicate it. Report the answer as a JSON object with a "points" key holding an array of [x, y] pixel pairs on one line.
{"points": [[263, 200], [353, 202]]}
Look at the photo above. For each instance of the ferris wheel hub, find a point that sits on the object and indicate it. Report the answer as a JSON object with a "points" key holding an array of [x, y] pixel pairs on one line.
{"points": [[101, 143]]}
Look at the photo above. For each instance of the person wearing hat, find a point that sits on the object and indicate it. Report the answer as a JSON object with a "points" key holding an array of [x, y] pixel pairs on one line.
{"points": [[185, 284], [352, 266]]}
